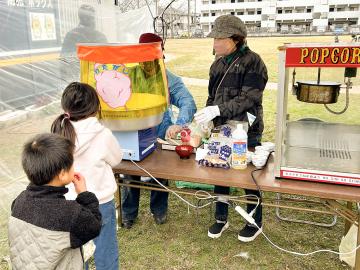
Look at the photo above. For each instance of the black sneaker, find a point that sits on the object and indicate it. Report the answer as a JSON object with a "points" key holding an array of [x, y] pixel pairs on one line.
{"points": [[249, 233], [160, 219], [127, 224], [217, 229]]}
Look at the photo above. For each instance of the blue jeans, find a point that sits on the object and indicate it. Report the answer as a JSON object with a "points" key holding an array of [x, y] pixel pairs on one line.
{"points": [[107, 250], [221, 212], [131, 197]]}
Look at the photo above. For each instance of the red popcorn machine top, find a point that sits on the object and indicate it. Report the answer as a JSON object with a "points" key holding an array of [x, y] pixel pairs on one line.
{"points": [[318, 136]]}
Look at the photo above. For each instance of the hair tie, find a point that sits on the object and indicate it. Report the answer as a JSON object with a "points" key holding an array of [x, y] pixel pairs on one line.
{"points": [[66, 116]]}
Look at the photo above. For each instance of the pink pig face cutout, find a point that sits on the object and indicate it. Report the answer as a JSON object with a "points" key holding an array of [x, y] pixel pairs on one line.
{"points": [[113, 87]]}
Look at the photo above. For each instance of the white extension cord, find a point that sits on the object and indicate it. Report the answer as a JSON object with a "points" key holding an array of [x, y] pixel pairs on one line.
{"points": [[207, 196], [247, 216]]}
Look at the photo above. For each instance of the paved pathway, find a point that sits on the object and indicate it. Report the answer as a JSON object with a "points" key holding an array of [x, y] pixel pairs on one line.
{"points": [[269, 85]]}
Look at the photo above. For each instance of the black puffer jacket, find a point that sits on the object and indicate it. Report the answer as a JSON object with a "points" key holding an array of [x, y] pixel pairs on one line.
{"points": [[46, 231], [240, 91]]}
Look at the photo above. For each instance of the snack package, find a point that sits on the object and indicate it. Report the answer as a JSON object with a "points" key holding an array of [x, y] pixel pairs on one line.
{"points": [[227, 129], [219, 153], [220, 145]]}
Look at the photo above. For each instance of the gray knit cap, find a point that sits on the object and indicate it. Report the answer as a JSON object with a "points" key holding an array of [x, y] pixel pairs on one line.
{"points": [[226, 26]]}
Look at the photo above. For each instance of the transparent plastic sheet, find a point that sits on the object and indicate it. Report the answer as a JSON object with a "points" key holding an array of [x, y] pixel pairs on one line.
{"points": [[133, 90], [36, 65]]}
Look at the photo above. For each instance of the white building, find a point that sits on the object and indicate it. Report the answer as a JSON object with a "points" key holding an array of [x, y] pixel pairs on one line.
{"points": [[285, 15]]}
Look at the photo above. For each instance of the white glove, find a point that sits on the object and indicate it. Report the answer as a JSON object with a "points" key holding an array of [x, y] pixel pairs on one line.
{"points": [[207, 114]]}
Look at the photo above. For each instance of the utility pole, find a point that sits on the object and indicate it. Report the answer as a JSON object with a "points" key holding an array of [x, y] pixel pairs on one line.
{"points": [[188, 19], [195, 16], [156, 8]]}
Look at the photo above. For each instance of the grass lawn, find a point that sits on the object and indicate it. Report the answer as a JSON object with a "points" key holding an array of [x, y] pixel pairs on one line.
{"points": [[182, 242]]}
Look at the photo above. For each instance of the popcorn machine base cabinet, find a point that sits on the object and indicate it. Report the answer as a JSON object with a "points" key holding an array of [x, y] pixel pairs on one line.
{"points": [[322, 152]]}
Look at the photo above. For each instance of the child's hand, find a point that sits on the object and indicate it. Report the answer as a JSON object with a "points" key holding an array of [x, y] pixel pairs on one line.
{"points": [[79, 183]]}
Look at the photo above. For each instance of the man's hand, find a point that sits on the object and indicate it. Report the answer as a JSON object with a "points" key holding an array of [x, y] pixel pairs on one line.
{"points": [[79, 183], [207, 114], [172, 131]]}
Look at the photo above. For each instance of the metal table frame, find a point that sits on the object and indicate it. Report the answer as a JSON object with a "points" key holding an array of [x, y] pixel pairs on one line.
{"points": [[166, 165]]}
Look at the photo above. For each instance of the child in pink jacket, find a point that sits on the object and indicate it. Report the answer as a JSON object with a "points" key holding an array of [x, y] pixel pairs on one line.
{"points": [[96, 152]]}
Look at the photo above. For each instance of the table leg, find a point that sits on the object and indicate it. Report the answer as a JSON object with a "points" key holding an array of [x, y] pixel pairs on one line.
{"points": [[348, 223], [357, 254], [119, 209]]}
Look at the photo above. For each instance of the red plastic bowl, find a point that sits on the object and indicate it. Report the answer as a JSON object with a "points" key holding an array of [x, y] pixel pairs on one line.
{"points": [[184, 151]]}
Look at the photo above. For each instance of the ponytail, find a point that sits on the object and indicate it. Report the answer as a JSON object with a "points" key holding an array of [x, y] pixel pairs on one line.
{"points": [[79, 101], [63, 127]]}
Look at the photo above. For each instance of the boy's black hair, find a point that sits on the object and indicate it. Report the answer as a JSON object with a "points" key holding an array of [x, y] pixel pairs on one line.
{"points": [[79, 101], [45, 155]]}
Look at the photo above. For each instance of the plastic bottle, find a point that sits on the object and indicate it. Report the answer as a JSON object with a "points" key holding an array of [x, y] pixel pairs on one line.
{"points": [[239, 148]]}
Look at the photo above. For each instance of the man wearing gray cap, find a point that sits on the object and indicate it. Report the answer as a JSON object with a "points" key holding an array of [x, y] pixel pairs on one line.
{"points": [[237, 81]]}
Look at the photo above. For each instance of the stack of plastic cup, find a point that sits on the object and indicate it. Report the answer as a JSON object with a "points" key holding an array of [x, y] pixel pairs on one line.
{"points": [[260, 156], [269, 146], [249, 155]]}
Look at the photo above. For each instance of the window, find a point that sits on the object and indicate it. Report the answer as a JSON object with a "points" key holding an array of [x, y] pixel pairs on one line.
{"points": [[308, 10], [232, 1], [232, 13], [205, 14], [251, 12], [240, 13], [331, 9], [213, 14], [279, 11], [258, 12], [213, 2], [288, 11], [240, 1]]}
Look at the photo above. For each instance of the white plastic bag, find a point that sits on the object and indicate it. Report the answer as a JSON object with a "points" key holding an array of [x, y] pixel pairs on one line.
{"points": [[347, 244], [88, 250]]}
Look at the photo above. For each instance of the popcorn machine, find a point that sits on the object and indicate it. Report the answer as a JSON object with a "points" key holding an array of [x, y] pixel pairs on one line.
{"points": [[310, 148]]}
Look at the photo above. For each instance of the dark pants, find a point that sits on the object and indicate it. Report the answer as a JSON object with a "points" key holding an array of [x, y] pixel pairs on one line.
{"points": [[131, 197], [221, 212]]}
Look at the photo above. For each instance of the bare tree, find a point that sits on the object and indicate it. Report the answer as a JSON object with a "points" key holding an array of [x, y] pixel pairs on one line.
{"points": [[127, 5]]}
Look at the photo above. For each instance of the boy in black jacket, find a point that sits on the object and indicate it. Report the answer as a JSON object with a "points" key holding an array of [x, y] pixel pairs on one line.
{"points": [[45, 230]]}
